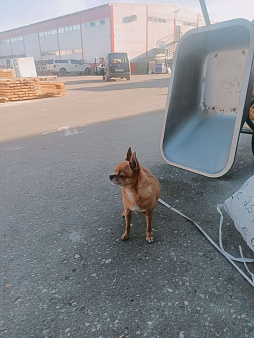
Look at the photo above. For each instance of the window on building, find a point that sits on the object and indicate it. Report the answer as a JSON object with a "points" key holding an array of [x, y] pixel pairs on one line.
{"points": [[155, 19], [2, 57], [20, 38], [128, 19], [70, 51], [5, 41], [49, 52], [47, 33], [68, 29], [92, 24], [102, 22]]}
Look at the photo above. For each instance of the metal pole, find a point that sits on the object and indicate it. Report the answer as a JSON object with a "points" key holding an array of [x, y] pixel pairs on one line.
{"points": [[205, 13]]}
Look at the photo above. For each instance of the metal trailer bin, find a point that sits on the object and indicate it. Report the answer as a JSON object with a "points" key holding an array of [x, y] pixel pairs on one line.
{"points": [[209, 97]]}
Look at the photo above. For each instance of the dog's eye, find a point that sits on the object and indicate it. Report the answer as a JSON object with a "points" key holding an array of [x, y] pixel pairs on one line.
{"points": [[121, 176]]}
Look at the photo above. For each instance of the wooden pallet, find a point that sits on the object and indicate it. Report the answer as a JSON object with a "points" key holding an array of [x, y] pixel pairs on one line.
{"points": [[7, 73], [19, 89]]}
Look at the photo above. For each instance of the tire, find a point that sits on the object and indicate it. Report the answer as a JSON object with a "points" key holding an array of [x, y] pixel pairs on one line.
{"points": [[103, 77], [128, 78], [87, 70], [62, 72]]}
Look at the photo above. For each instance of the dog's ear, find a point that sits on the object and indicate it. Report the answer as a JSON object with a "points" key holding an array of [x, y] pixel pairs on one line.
{"points": [[128, 155], [134, 162]]}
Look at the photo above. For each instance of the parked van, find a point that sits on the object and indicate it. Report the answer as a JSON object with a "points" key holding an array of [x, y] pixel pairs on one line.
{"points": [[117, 65], [61, 67]]}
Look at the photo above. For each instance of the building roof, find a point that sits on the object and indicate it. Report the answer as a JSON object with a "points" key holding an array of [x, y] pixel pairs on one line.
{"points": [[90, 9], [85, 14], [58, 17]]}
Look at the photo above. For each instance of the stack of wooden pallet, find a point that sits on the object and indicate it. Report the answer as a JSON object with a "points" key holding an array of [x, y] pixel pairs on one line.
{"points": [[4, 99], [47, 77], [19, 89], [7, 73], [52, 88]]}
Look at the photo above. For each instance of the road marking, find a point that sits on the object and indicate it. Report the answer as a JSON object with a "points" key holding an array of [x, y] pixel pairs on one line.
{"points": [[15, 148], [67, 131], [49, 132]]}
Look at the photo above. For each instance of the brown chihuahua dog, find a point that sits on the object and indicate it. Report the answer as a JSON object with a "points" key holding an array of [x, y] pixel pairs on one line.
{"points": [[140, 191]]}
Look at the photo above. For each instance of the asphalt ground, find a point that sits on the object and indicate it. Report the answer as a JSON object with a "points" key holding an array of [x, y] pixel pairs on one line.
{"points": [[64, 270]]}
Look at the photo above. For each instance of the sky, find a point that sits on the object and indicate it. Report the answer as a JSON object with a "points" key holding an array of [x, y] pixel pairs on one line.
{"points": [[17, 13]]}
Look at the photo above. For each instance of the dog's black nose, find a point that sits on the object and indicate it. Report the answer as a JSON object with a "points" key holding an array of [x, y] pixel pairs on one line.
{"points": [[111, 177]]}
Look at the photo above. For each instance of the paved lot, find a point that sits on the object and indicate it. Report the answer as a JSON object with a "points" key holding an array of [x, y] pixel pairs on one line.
{"points": [[64, 270], [89, 100]]}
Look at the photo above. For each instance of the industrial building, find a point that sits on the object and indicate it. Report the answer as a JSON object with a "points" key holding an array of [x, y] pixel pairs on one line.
{"points": [[143, 31]]}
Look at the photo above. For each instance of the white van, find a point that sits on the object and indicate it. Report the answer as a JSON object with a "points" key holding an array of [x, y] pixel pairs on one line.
{"points": [[62, 67]]}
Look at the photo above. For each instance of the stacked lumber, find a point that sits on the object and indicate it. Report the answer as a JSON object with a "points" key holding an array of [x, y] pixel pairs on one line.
{"points": [[29, 88], [4, 99], [52, 88], [7, 73], [19, 89], [47, 77]]}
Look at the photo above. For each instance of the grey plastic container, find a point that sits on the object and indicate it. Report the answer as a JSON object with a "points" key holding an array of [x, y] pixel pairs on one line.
{"points": [[209, 97]]}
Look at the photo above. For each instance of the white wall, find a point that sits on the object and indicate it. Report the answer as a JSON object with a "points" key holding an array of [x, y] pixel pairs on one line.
{"points": [[6, 49], [48, 43], [32, 46], [70, 40], [130, 37], [18, 47], [96, 40]]}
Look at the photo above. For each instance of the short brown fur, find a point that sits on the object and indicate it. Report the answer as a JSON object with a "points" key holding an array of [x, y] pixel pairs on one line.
{"points": [[140, 191]]}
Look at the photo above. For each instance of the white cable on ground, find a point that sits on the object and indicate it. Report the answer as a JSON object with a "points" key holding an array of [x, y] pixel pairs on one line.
{"points": [[221, 250]]}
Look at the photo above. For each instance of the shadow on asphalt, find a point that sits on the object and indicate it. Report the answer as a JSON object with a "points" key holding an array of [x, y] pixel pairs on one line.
{"points": [[80, 82], [121, 85], [61, 234]]}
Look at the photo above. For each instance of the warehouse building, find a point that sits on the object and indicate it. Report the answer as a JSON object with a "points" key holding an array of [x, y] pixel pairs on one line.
{"points": [[143, 31]]}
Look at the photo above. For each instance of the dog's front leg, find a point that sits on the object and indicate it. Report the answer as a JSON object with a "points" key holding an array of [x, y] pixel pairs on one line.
{"points": [[127, 214], [149, 237]]}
